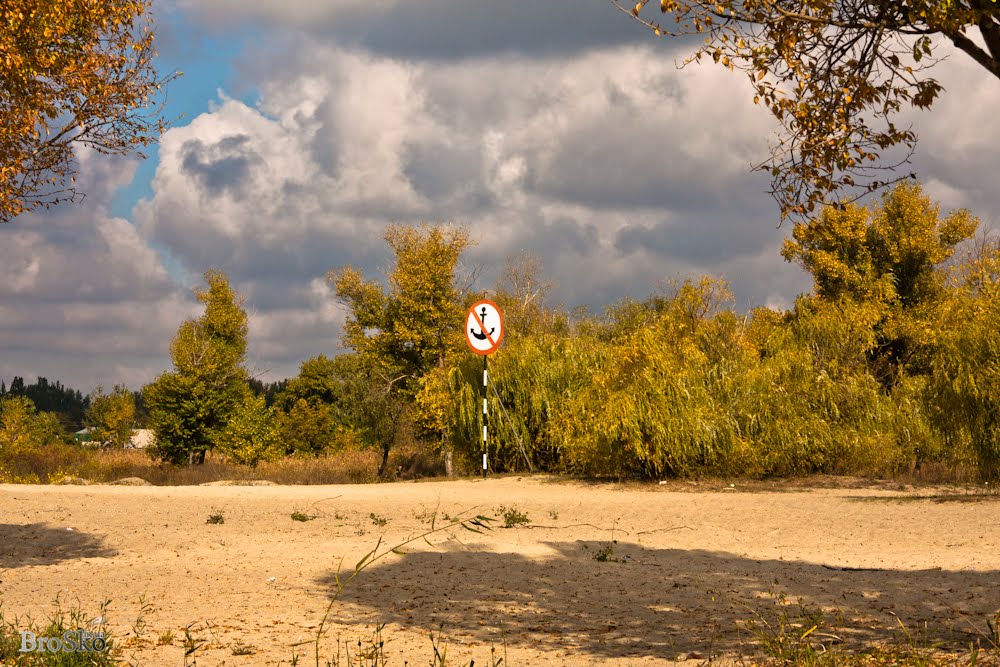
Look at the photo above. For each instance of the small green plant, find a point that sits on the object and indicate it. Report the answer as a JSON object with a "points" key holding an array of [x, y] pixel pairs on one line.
{"points": [[512, 517], [59, 623], [216, 517], [378, 520], [425, 516], [239, 648], [166, 638], [553, 514], [191, 645], [606, 554], [139, 624], [370, 653], [302, 516]]}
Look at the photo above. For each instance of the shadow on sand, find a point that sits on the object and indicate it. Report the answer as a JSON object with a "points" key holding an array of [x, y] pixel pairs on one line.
{"points": [[662, 602], [41, 544]]}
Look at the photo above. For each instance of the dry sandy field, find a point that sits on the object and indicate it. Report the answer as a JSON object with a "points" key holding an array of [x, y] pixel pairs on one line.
{"points": [[684, 567]]}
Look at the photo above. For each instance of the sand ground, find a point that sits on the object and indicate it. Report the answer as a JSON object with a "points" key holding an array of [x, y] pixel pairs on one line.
{"points": [[687, 567]]}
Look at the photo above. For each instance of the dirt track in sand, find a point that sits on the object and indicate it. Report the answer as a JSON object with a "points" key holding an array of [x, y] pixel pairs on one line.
{"points": [[690, 565]]}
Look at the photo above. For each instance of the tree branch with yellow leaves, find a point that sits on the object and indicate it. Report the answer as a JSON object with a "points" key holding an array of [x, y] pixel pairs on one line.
{"points": [[834, 74]]}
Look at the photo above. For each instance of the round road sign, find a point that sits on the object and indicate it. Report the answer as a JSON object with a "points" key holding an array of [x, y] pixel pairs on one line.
{"points": [[484, 327]]}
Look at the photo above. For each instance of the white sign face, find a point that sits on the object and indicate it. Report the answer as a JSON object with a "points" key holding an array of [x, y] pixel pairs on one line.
{"points": [[484, 327]]}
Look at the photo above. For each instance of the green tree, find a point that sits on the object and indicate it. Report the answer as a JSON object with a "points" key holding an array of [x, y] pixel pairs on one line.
{"points": [[112, 416], [319, 381], [190, 406], [310, 428], [72, 73], [834, 74], [371, 407], [251, 434]]}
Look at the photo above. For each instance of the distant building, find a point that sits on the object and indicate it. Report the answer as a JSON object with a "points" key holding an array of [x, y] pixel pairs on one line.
{"points": [[83, 435], [141, 438]]}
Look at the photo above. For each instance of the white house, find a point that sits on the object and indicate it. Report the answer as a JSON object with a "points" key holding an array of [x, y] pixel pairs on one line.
{"points": [[141, 438]]}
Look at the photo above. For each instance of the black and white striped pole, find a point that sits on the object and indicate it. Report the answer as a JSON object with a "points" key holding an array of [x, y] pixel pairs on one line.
{"points": [[486, 448], [483, 332]]}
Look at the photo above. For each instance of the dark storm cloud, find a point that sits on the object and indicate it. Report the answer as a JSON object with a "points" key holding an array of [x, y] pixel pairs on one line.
{"points": [[563, 236], [220, 167], [632, 155], [712, 234], [442, 29], [448, 29]]}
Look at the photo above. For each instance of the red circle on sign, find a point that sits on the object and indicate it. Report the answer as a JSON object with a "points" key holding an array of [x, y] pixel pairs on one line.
{"points": [[479, 323]]}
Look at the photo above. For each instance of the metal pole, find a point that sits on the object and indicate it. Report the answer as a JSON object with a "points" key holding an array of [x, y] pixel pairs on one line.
{"points": [[485, 415]]}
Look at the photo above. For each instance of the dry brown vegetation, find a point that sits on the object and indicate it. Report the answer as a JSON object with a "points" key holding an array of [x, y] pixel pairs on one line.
{"points": [[59, 463]]}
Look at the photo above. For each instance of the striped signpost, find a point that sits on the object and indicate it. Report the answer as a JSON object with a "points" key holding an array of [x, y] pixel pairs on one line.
{"points": [[483, 333]]}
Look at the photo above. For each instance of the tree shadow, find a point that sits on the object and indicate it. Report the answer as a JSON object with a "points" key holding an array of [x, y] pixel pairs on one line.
{"points": [[23, 545], [663, 602]]}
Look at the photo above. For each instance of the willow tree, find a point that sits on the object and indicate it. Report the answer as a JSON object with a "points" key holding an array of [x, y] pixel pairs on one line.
{"points": [[965, 382], [835, 75], [191, 406], [73, 73], [646, 407]]}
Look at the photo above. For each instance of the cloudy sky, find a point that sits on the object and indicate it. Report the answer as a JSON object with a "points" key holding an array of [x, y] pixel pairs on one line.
{"points": [[307, 126]]}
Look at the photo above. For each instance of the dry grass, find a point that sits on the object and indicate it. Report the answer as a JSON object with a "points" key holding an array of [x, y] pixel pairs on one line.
{"points": [[61, 463]]}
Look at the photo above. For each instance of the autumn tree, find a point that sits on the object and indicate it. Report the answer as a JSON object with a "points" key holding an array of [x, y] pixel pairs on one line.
{"points": [[17, 424], [521, 295], [23, 427], [191, 405], [835, 75], [409, 328], [73, 73], [965, 377], [112, 416], [887, 259], [401, 333]]}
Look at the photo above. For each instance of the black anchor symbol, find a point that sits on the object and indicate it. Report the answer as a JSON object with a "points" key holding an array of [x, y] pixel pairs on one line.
{"points": [[482, 319]]}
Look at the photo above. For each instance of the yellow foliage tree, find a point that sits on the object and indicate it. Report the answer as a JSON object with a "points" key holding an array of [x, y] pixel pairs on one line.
{"points": [[112, 416], [72, 72], [834, 74], [887, 258], [251, 435], [401, 333], [408, 329]]}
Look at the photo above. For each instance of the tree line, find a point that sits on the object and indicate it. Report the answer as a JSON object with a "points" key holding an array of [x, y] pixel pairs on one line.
{"points": [[889, 364]]}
